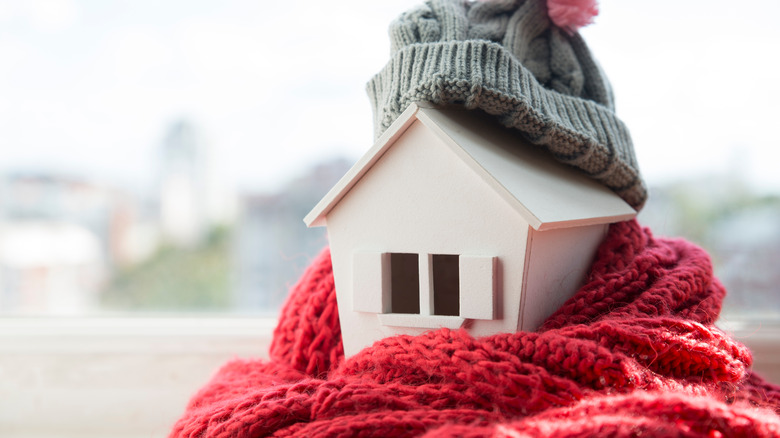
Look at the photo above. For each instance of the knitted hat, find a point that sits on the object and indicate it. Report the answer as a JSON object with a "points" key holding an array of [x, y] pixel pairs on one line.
{"points": [[507, 58]]}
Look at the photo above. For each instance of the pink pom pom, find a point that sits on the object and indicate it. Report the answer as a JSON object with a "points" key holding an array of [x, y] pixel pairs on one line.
{"points": [[571, 15]]}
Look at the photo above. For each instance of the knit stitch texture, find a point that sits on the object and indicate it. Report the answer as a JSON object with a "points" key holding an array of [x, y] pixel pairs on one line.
{"points": [[505, 57], [633, 353]]}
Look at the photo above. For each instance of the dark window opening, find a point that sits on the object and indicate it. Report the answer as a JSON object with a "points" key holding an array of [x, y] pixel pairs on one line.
{"points": [[404, 283], [446, 285]]}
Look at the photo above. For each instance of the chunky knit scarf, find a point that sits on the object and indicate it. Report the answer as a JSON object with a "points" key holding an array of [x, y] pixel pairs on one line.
{"points": [[633, 353]]}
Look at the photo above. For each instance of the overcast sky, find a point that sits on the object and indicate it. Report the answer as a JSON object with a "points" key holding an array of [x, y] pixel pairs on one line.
{"points": [[89, 86]]}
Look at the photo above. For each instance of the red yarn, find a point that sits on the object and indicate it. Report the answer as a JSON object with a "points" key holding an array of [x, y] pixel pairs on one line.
{"points": [[633, 353]]}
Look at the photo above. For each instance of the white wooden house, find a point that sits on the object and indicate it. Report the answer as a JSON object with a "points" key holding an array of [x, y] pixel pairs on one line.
{"points": [[451, 220]]}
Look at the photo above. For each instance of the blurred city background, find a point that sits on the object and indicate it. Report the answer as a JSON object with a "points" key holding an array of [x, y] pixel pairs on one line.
{"points": [[158, 157]]}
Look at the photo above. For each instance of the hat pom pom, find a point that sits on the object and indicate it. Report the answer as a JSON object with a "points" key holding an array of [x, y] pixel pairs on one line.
{"points": [[571, 15]]}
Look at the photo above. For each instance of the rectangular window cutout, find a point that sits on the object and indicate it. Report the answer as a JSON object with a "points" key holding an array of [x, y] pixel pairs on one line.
{"points": [[404, 283], [446, 285]]}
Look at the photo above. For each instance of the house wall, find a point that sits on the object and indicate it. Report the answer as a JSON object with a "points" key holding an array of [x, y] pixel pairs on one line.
{"points": [[421, 198], [558, 261]]}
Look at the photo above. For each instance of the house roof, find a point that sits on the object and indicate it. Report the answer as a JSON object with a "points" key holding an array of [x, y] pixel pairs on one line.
{"points": [[561, 196]]}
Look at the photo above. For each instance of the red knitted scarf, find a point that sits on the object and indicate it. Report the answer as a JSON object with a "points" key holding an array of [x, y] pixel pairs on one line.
{"points": [[633, 353]]}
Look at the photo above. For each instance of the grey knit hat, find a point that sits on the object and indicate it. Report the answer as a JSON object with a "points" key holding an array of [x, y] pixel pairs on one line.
{"points": [[505, 57]]}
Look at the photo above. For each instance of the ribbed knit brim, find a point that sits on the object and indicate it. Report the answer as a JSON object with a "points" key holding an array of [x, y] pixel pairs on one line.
{"points": [[434, 64]]}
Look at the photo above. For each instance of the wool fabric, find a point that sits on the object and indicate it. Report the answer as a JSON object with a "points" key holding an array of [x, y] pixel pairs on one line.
{"points": [[507, 58], [572, 14], [633, 353]]}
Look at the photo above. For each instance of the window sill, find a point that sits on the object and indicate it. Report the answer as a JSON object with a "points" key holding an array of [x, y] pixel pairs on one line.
{"points": [[128, 333], [131, 377], [123, 377], [421, 321]]}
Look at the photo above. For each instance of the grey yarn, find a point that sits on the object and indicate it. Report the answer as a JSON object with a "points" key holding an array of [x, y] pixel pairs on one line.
{"points": [[506, 58]]}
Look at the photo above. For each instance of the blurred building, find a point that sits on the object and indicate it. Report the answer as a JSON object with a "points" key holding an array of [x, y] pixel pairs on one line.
{"points": [[59, 238], [182, 178], [190, 199], [49, 267], [62, 238], [272, 245]]}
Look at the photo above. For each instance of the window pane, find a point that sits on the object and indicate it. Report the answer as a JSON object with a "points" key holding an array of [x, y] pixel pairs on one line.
{"points": [[446, 288], [71, 245], [160, 156], [405, 283]]}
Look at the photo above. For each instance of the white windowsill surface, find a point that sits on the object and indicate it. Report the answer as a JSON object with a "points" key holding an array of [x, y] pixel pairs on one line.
{"points": [[132, 377], [125, 333], [113, 377], [421, 321]]}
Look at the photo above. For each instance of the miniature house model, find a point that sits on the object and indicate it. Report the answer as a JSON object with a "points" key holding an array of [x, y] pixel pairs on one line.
{"points": [[451, 220]]}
